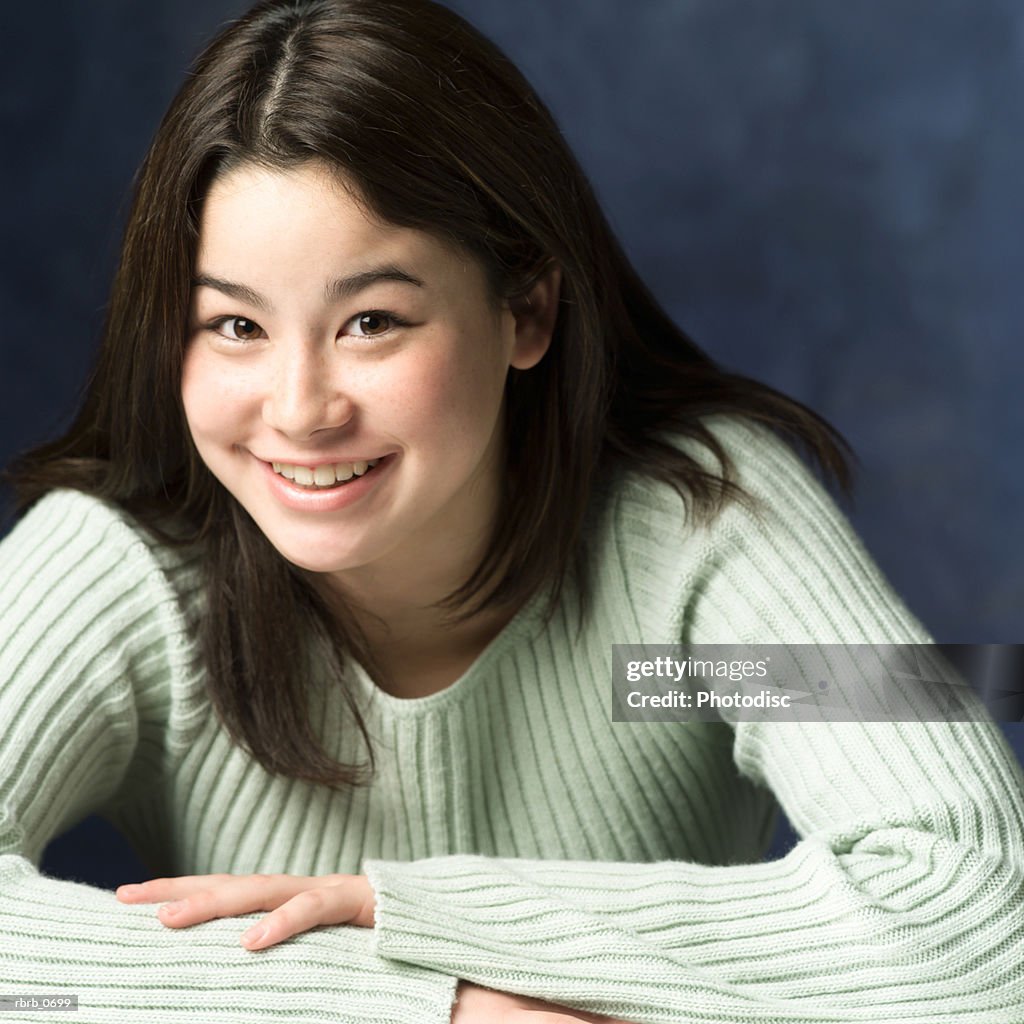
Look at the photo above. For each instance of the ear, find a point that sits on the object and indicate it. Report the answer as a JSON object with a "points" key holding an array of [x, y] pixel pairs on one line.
{"points": [[535, 315]]}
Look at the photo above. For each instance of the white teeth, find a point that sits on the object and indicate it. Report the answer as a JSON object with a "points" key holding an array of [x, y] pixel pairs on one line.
{"points": [[322, 476]]}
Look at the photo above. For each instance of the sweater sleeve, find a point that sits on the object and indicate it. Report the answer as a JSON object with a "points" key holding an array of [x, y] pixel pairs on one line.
{"points": [[91, 638], [902, 900]]}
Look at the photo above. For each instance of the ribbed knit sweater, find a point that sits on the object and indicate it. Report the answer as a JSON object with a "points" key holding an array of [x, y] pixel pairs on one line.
{"points": [[515, 836]]}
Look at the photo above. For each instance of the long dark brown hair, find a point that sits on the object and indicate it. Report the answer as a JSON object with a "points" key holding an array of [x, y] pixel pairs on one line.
{"points": [[440, 132]]}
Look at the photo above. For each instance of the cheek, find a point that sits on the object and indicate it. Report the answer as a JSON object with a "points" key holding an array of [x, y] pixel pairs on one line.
{"points": [[212, 403], [456, 389], [197, 391]]}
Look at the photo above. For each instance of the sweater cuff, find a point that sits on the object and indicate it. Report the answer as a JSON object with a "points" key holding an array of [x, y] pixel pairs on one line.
{"points": [[444, 913], [395, 936], [405, 922]]}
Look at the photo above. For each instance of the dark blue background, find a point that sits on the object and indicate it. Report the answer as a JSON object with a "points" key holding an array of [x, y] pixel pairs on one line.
{"points": [[826, 195]]}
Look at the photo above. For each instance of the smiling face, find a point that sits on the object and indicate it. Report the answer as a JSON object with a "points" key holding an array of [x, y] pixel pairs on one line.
{"points": [[322, 337]]}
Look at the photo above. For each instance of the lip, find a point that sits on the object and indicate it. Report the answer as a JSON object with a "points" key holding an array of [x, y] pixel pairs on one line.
{"points": [[329, 499], [324, 462]]}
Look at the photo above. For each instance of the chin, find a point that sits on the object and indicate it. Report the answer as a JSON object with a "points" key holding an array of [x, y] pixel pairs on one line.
{"points": [[318, 563]]}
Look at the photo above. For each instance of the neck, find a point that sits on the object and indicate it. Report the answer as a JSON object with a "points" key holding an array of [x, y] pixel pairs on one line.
{"points": [[395, 602], [415, 647]]}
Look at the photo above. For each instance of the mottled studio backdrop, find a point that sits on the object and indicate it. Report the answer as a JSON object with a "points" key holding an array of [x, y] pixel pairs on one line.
{"points": [[826, 195]]}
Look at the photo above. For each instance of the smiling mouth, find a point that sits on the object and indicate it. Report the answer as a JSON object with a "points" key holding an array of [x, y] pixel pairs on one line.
{"points": [[323, 477]]}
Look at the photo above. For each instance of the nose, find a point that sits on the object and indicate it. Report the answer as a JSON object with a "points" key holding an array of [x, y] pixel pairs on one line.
{"points": [[303, 397]]}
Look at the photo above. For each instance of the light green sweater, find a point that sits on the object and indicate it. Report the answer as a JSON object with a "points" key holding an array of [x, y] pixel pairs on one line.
{"points": [[514, 835]]}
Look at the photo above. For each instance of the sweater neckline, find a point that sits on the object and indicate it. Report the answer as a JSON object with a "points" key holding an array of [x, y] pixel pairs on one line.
{"points": [[522, 627]]}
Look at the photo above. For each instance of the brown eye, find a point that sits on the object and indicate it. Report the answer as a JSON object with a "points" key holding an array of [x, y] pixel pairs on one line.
{"points": [[242, 329], [373, 323]]}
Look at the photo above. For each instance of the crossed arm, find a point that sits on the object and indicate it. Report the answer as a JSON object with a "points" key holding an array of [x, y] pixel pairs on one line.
{"points": [[299, 903]]}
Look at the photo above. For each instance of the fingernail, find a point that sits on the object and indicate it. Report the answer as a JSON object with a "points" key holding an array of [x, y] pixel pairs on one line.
{"points": [[173, 908], [255, 935], [129, 890]]}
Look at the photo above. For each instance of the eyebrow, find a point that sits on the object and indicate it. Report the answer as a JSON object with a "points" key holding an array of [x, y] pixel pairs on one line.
{"points": [[339, 289]]}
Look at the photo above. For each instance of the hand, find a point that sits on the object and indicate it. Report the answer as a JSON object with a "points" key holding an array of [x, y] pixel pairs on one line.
{"points": [[298, 902], [476, 1005]]}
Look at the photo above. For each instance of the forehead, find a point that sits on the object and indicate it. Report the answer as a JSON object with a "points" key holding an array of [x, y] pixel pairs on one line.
{"points": [[254, 205], [301, 196], [286, 228]]}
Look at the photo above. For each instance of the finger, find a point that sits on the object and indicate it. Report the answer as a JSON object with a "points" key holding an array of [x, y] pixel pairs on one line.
{"points": [[235, 895], [326, 905], [156, 890], [540, 1017], [528, 1016]]}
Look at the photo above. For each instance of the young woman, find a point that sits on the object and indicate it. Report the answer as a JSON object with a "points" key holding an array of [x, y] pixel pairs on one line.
{"points": [[386, 446]]}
